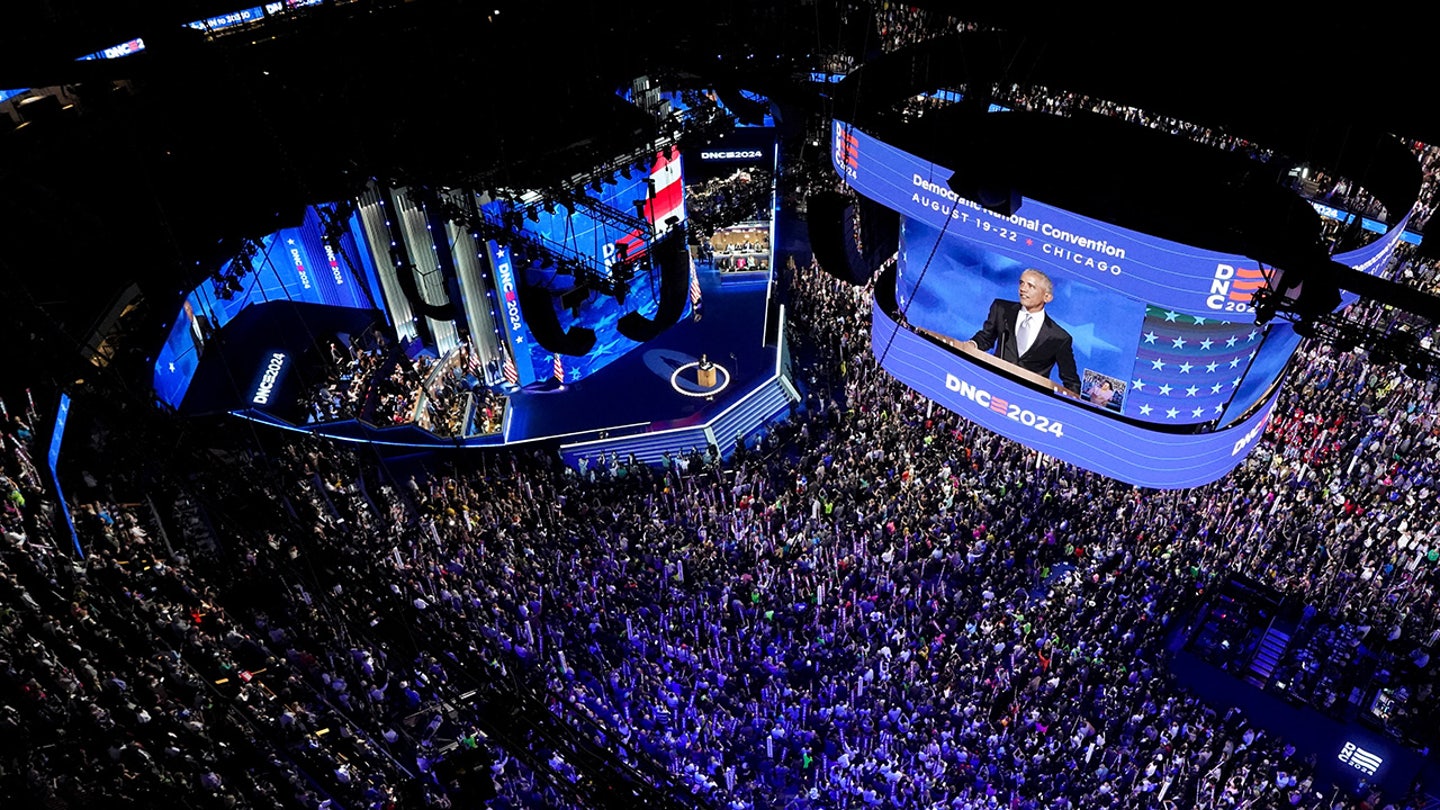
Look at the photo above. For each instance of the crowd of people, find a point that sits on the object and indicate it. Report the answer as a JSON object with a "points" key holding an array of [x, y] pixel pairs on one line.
{"points": [[744, 195], [352, 364], [901, 27], [453, 402], [371, 379], [874, 604]]}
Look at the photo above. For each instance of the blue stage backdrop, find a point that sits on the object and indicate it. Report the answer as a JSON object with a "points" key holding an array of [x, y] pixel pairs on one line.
{"points": [[582, 234], [1167, 328], [294, 264]]}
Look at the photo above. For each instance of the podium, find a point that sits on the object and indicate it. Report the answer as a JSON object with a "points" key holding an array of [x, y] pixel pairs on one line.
{"points": [[705, 375], [995, 363]]}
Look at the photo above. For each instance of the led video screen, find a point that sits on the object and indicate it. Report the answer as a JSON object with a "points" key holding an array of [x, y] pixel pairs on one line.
{"points": [[220, 22], [584, 232], [1123, 355], [1078, 433], [120, 51], [1171, 377], [294, 264]]}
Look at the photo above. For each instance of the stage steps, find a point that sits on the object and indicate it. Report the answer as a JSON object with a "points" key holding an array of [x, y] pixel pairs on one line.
{"points": [[762, 405], [1267, 655]]}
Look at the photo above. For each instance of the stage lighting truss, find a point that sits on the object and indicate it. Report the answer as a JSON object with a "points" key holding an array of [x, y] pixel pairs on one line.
{"points": [[527, 247], [229, 279]]}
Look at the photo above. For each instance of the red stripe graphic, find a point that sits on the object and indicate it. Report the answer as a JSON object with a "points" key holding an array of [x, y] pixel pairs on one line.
{"points": [[666, 203], [848, 145]]}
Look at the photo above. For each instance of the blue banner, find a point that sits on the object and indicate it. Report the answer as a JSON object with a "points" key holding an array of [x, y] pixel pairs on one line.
{"points": [[510, 314], [234, 18], [124, 49], [57, 438]]}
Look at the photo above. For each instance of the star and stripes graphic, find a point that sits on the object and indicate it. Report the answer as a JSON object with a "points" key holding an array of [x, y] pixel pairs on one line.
{"points": [[665, 199], [1189, 367], [1361, 760]]}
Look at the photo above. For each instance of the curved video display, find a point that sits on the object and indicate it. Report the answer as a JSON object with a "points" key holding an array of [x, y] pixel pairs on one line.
{"points": [[1127, 356], [1162, 273], [1143, 361], [1082, 435]]}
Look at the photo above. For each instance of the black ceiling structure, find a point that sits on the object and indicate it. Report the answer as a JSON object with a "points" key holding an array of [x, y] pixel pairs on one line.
{"points": [[207, 141]]}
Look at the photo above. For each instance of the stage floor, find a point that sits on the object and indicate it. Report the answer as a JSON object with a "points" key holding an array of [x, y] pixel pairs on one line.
{"points": [[636, 389]]}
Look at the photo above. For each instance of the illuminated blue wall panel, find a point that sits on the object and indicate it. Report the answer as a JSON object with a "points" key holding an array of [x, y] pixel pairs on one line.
{"points": [[582, 233], [294, 264]]}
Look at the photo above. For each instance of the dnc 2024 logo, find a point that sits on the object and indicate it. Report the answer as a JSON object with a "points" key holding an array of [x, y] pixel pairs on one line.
{"points": [[1233, 288]]}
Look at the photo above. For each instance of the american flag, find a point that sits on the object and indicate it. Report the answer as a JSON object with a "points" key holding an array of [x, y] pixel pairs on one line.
{"points": [[559, 369], [669, 197], [508, 370], [694, 285], [1188, 367]]}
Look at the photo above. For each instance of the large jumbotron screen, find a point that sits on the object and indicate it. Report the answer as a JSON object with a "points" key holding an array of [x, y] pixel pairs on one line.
{"points": [[1176, 378]]}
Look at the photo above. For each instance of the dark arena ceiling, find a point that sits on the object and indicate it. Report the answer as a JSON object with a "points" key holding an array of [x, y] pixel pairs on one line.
{"points": [[203, 141]]}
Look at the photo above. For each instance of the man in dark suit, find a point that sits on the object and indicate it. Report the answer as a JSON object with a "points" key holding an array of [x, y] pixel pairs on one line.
{"points": [[1021, 332]]}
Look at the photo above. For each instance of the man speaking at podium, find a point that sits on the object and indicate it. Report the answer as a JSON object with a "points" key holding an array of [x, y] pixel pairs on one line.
{"points": [[1021, 332]]}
